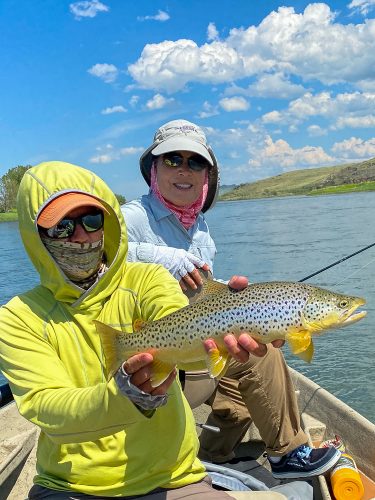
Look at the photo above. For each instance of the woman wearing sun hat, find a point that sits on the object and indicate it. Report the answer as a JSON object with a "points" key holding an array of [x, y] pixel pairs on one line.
{"points": [[176, 202]]}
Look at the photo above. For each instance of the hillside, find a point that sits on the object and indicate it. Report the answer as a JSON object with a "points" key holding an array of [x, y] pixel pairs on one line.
{"points": [[324, 180], [226, 187]]}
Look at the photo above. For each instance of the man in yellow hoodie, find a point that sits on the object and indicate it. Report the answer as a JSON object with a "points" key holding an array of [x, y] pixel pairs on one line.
{"points": [[99, 437]]}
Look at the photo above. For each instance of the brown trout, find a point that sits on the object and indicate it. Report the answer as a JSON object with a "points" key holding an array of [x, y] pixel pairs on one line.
{"points": [[268, 311]]}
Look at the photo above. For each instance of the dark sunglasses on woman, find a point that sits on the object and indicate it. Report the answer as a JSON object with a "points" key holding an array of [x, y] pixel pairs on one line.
{"points": [[196, 163], [65, 228]]}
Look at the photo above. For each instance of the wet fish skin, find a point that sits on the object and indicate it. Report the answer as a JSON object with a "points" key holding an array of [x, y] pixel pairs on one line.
{"points": [[269, 311]]}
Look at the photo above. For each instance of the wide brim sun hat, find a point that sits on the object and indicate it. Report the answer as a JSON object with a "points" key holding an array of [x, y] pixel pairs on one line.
{"points": [[182, 135]]}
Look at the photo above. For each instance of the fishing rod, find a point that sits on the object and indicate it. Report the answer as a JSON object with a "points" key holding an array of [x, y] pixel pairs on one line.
{"points": [[337, 262]]}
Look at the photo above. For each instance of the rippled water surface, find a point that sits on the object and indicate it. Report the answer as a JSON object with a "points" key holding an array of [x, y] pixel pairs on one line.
{"points": [[282, 239]]}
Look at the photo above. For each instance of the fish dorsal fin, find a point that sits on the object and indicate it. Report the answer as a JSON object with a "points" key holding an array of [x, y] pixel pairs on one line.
{"points": [[138, 324], [160, 371], [209, 288], [212, 287], [217, 361]]}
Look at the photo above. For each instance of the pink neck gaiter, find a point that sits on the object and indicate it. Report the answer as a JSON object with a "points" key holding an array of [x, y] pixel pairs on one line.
{"points": [[186, 215]]}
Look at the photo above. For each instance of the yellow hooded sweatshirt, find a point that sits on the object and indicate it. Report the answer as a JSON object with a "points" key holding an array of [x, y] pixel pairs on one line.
{"points": [[93, 439]]}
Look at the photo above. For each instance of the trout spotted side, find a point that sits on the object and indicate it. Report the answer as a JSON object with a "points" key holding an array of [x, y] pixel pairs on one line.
{"points": [[268, 311]]}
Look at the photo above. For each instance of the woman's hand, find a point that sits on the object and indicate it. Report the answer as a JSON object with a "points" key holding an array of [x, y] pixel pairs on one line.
{"points": [[139, 367], [193, 279]]}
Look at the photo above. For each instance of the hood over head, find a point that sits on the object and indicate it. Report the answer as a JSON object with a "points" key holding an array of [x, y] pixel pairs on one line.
{"points": [[40, 188], [182, 135]]}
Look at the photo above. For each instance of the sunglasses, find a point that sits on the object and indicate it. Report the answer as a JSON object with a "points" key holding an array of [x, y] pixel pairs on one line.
{"points": [[66, 227], [196, 163]]}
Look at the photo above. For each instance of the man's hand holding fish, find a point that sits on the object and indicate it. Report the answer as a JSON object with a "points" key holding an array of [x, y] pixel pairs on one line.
{"points": [[139, 369]]}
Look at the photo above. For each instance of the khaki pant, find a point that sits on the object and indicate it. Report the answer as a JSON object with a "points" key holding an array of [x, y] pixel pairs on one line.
{"points": [[260, 390]]}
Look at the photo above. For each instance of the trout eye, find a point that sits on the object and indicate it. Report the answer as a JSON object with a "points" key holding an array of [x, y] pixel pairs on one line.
{"points": [[343, 303]]}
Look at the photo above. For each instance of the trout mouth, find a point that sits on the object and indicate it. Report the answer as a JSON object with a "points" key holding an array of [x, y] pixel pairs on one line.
{"points": [[351, 316]]}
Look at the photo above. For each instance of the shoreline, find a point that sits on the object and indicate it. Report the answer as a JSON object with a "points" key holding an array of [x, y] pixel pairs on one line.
{"points": [[8, 217], [362, 187], [13, 216]]}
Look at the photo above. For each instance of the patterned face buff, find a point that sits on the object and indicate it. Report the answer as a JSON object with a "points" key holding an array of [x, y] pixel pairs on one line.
{"points": [[80, 262]]}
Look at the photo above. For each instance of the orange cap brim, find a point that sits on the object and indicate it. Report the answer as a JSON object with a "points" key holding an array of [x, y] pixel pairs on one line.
{"points": [[60, 206]]}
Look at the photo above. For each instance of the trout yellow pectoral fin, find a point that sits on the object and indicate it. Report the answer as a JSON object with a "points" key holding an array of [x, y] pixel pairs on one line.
{"points": [[217, 363], [160, 372], [298, 341], [108, 337], [307, 354]]}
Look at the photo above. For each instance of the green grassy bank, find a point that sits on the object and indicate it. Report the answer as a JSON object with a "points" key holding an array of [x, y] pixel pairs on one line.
{"points": [[8, 216], [345, 188]]}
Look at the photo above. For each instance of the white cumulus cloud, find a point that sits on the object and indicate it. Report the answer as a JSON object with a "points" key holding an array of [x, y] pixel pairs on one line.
{"points": [[212, 33], [108, 153], [208, 110], [171, 65], [160, 16], [272, 117], [362, 6], [316, 131], [259, 154], [158, 101], [275, 86], [281, 153], [113, 109], [354, 110], [355, 148], [106, 72], [236, 103], [310, 45], [133, 101], [87, 8], [366, 121]]}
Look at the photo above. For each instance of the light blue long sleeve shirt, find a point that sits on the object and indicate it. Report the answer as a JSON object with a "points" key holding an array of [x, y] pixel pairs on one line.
{"points": [[150, 223]]}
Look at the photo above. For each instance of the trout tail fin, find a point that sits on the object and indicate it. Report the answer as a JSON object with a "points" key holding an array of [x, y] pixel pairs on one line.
{"points": [[108, 337]]}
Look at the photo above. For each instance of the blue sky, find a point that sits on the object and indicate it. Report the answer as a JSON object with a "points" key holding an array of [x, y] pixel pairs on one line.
{"points": [[277, 86]]}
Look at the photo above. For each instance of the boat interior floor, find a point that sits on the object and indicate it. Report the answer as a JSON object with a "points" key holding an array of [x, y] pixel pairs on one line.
{"points": [[250, 458]]}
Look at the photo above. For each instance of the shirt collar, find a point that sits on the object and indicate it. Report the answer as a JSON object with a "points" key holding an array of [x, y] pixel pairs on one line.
{"points": [[158, 209]]}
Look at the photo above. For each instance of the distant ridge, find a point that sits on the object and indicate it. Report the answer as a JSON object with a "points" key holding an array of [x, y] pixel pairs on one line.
{"points": [[312, 181]]}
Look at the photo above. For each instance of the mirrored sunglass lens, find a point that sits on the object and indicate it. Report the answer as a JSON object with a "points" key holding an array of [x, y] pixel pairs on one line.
{"points": [[197, 164], [173, 161], [63, 229], [92, 222]]}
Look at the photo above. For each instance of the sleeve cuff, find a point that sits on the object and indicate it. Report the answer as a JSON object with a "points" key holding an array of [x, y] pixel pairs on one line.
{"points": [[141, 399], [145, 252]]}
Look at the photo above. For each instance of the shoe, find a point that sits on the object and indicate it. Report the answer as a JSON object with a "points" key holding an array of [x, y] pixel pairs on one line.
{"points": [[305, 462]]}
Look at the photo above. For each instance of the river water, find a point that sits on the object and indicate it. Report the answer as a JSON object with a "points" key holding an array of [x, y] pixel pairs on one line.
{"points": [[282, 239]]}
